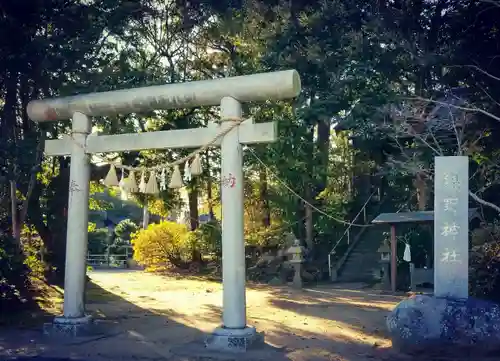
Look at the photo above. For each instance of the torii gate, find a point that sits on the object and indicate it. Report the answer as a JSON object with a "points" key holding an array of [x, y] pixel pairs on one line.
{"points": [[229, 93]]}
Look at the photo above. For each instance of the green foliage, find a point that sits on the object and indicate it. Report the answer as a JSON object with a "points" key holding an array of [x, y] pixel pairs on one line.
{"points": [[125, 228], [98, 241], [123, 233], [273, 236], [17, 269], [14, 281], [162, 245], [484, 270], [99, 201], [33, 256], [208, 239]]}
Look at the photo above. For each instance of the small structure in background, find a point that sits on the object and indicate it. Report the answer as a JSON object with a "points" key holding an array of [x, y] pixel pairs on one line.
{"points": [[296, 251], [418, 275]]}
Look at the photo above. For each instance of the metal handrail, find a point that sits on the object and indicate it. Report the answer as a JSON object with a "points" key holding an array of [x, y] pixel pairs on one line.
{"points": [[346, 232], [104, 256], [102, 259]]}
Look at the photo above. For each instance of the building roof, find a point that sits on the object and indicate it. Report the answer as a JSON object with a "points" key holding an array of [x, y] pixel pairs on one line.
{"points": [[414, 217]]}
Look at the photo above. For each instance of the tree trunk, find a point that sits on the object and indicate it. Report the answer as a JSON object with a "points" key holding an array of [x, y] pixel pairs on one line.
{"points": [[300, 216], [8, 136], [194, 217], [303, 213], [264, 198], [309, 221], [32, 183], [210, 199], [8, 124], [193, 207], [57, 220], [323, 146], [421, 188], [16, 232]]}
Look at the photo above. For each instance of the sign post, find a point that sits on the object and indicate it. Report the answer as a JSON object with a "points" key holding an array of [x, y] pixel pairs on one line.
{"points": [[451, 227]]}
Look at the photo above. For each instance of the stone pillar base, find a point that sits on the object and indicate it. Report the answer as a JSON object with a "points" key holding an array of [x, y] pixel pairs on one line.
{"points": [[234, 340], [334, 275], [229, 344], [71, 327]]}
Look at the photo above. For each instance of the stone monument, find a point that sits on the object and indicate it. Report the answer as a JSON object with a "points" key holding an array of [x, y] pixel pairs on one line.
{"points": [[449, 320]]}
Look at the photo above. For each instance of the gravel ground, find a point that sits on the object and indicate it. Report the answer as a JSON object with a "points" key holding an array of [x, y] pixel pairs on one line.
{"points": [[153, 314]]}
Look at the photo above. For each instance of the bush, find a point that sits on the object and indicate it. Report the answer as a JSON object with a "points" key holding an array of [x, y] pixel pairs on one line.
{"points": [[162, 245], [274, 236], [208, 239], [33, 255], [484, 270], [123, 233], [98, 240], [125, 229], [14, 276]]}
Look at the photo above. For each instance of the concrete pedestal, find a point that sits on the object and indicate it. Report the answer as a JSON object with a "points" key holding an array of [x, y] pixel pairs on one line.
{"points": [[71, 327], [234, 340], [231, 344]]}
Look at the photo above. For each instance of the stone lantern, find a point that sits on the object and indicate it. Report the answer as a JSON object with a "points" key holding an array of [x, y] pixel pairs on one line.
{"points": [[296, 251], [385, 262], [385, 252]]}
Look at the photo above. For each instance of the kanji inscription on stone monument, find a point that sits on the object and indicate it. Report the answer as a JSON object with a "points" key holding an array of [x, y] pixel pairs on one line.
{"points": [[451, 227]]}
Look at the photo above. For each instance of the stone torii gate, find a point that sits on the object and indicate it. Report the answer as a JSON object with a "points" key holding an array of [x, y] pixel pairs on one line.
{"points": [[229, 93]]}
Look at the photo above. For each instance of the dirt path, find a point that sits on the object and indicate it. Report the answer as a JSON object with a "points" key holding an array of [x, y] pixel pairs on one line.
{"points": [[155, 313]]}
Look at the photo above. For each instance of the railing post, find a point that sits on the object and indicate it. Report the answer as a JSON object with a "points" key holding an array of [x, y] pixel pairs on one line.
{"points": [[330, 265]]}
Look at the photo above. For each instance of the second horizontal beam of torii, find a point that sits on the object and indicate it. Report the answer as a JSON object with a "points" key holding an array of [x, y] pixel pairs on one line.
{"points": [[248, 132]]}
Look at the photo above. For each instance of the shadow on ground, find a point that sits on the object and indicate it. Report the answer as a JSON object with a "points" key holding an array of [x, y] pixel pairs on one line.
{"points": [[46, 300], [341, 306], [152, 315], [132, 332]]}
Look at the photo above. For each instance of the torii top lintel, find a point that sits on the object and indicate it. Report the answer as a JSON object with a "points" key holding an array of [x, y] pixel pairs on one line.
{"points": [[278, 85]]}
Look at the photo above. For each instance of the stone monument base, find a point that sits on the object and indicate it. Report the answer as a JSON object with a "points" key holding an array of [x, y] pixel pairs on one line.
{"points": [[432, 324]]}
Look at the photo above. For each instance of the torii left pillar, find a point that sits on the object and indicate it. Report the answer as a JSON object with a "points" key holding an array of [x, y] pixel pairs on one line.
{"points": [[74, 321]]}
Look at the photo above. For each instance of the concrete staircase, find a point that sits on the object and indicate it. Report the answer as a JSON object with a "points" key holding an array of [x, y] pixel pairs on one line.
{"points": [[362, 261]]}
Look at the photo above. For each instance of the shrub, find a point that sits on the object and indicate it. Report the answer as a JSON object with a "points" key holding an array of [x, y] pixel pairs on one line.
{"points": [[14, 275], [98, 240], [123, 232], [274, 236], [125, 229], [33, 255], [208, 239], [484, 270], [163, 244]]}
